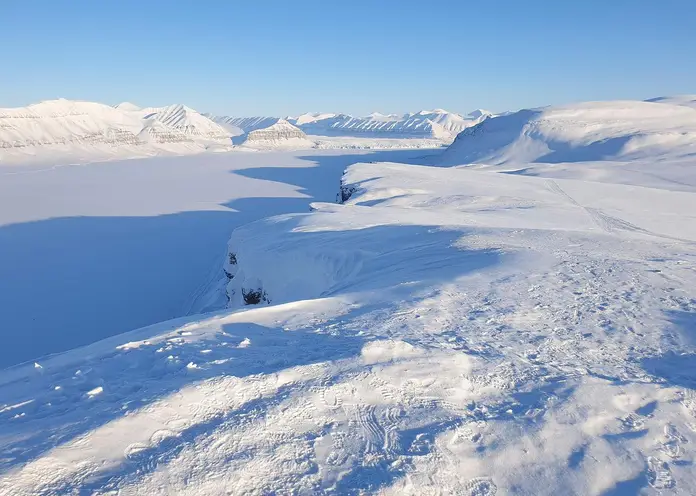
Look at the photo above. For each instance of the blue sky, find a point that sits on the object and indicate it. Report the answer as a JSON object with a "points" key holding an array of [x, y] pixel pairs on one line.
{"points": [[287, 57]]}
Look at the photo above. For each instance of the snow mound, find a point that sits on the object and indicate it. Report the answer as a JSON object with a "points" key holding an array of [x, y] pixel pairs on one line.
{"points": [[617, 130], [188, 121]]}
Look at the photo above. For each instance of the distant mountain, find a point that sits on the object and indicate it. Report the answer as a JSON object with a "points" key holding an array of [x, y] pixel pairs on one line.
{"points": [[128, 107], [280, 134], [188, 121], [244, 124], [432, 124], [616, 130], [91, 130]]}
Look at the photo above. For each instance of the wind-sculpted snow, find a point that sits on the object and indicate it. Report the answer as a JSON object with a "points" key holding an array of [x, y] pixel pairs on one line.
{"points": [[442, 330], [621, 130]]}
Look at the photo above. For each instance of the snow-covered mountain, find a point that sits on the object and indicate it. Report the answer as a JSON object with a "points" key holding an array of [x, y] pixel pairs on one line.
{"points": [[188, 121], [245, 124], [93, 131], [280, 134], [437, 124], [617, 130], [427, 124], [61, 122]]}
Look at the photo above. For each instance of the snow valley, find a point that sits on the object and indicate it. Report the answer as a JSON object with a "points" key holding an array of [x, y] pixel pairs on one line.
{"points": [[417, 304]]}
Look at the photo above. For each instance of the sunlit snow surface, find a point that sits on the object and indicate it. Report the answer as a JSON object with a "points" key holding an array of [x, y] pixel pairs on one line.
{"points": [[443, 331]]}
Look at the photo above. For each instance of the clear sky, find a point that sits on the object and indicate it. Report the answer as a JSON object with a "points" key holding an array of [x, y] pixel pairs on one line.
{"points": [[277, 57]]}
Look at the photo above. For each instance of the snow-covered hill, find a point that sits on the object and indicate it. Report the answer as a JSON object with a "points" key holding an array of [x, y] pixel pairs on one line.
{"points": [[85, 131], [618, 130], [59, 122], [280, 134]]}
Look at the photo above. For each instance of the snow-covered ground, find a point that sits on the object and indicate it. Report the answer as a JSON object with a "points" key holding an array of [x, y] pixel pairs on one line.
{"points": [[519, 326], [94, 250]]}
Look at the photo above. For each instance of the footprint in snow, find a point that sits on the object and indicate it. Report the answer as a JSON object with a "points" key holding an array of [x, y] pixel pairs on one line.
{"points": [[659, 474]]}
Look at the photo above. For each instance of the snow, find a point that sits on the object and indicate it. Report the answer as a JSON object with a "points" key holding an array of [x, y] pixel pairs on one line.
{"points": [[435, 124], [90, 251], [65, 131], [280, 134], [618, 130], [188, 121], [516, 326], [128, 107], [245, 124], [685, 100]]}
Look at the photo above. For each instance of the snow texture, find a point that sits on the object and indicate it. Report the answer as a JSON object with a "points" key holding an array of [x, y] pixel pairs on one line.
{"points": [[502, 328]]}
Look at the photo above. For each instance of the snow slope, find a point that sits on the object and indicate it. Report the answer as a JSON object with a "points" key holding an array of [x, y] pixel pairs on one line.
{"points": [[685, 100], [442, 331], [618, 130]]}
